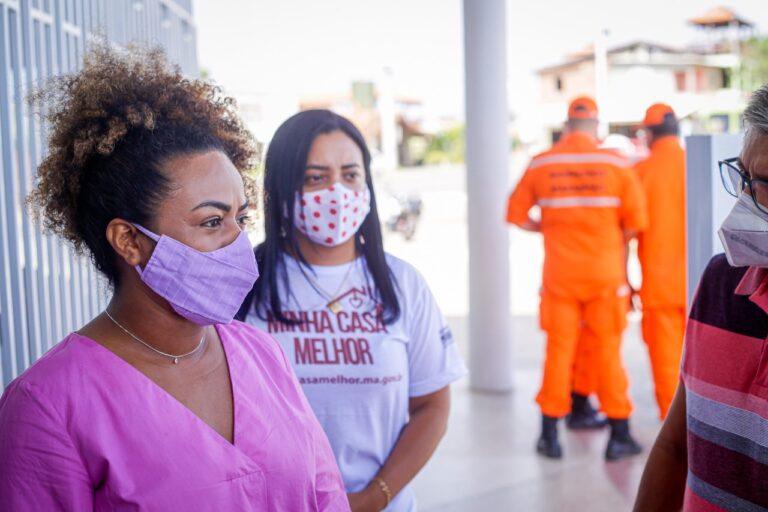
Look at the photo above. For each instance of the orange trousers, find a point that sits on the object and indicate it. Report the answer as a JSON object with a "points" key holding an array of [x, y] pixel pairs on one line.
{"points": [[586, 362], [663, 332], [596, 324]]}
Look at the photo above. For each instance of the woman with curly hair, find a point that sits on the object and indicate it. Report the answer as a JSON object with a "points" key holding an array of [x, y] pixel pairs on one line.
{"points": [[161, 402]]}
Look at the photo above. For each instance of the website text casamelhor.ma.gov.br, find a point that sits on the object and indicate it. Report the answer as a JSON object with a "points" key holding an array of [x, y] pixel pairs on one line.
{"points": [[341, 379]]}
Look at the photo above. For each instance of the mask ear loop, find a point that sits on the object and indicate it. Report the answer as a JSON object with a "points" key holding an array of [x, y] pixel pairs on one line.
{"points": [[150, 235], [283, 233], [147, 232]]}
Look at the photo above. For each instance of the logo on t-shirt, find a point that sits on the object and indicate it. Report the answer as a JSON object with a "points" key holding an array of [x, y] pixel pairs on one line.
{"points": [[356, 296], [446, 335]]}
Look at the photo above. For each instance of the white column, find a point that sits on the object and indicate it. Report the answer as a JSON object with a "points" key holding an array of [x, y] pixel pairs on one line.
{"points": [[487, 159], [388, 117]]}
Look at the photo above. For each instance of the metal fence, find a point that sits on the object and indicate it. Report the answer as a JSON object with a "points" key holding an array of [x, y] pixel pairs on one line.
{"points": [[46, 291]]}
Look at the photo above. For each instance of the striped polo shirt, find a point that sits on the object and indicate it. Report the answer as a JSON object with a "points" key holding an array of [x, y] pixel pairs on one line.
{"points": [[725, 373]]}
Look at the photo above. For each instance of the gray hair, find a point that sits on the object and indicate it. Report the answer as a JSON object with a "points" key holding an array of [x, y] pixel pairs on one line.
{"points": [[756, 113]]}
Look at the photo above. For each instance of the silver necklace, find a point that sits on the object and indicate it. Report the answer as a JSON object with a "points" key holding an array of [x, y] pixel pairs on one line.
{"points": [[153, 349]]}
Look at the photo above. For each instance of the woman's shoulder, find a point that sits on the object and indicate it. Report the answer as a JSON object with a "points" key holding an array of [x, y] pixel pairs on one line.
{"points": [[249, 334], [255, 342], [65, 359], [59, 372], [402, 270], [410, 281]]}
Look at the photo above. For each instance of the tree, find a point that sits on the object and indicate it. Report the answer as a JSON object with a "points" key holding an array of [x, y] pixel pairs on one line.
{"points": [[754, 63], [446, 147]]}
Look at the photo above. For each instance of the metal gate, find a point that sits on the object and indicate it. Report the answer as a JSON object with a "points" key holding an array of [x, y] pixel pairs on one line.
{"points": [[47, 291]]}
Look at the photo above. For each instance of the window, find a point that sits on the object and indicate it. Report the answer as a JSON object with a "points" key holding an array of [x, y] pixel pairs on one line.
{"points": [[701, 84], [726, 78], [558, 83], [680, 81]]}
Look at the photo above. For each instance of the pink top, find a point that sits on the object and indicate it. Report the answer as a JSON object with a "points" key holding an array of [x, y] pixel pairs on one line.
{"points": [[83, 430]]}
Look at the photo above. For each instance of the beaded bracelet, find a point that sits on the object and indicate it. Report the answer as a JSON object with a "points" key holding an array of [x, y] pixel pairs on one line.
{"points": [[385, 489]]}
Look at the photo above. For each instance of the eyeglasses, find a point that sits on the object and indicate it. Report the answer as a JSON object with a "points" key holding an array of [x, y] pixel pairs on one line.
{"points": [[736, 180]]}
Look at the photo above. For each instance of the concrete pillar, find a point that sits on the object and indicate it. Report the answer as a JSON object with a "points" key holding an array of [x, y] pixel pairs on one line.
{"points": [[707, 201], [388, 117], [487, 159]]}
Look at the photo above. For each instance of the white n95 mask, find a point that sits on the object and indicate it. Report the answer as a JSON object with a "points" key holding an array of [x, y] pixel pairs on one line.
{"points": [[744, 234]]}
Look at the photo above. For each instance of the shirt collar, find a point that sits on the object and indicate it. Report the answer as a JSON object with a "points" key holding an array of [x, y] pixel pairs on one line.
{"points": [[755, 285]]}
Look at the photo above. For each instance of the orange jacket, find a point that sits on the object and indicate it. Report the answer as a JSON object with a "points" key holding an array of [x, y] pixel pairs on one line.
{"points": [[662, 246], [587, 196]]}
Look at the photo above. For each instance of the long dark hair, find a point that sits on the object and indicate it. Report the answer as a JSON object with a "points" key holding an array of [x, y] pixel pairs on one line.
{"points": [[285, 166]]}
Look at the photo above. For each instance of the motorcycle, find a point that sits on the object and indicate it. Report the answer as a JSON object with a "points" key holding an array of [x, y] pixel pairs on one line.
{"points": [[404, 214]]}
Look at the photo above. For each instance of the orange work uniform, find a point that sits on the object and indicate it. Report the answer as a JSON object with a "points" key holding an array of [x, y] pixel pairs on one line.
{"points": [[661, 251], [586, 363], [588, 197]]}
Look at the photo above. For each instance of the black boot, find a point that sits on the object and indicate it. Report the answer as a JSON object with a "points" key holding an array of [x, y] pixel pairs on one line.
{"points": [[583, 416], [548, 445], [621, 444]]}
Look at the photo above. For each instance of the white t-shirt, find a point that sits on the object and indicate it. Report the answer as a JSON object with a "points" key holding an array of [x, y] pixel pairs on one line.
{"points": [[358, 373]]}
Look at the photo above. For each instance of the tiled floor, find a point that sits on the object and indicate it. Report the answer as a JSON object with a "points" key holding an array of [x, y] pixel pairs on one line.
{"points": [[487, 460]]}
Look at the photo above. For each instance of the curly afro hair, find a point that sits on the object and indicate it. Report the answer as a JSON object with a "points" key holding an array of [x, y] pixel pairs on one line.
{"points": [[113, 125]]}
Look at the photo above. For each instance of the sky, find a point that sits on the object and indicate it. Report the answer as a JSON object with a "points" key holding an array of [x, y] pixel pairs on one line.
{"points": [[299, 48]]}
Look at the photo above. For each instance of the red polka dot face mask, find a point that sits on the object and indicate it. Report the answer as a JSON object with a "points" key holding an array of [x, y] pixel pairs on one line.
{"points": [[333, 215]]}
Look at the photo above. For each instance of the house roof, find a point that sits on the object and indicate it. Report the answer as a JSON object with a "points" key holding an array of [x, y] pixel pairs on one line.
{"points": [[719, 17], [590, 54]]}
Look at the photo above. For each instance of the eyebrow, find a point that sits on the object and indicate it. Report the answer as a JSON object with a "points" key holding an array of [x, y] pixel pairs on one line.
{"points": [[219, 206], [315, 167]]}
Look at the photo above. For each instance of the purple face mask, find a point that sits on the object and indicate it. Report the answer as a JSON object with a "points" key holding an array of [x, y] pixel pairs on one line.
{"points": [[204, 287]]}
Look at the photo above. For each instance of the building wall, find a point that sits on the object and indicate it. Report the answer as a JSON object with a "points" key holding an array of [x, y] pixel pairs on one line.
{"points": [[692, 84], [47, 291], [575, 80], [631, 89]]}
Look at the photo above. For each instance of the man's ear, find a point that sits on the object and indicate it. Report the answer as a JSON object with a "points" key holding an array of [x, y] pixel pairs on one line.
{"points": [[128, 242]]}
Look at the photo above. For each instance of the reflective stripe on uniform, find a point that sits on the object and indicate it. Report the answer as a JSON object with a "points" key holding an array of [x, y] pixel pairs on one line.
{"points": [[569, 202], [578, 158]]}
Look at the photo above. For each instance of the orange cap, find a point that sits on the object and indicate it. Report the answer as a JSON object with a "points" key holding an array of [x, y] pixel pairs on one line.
{"points": [[582, 107], [657, 113]]}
